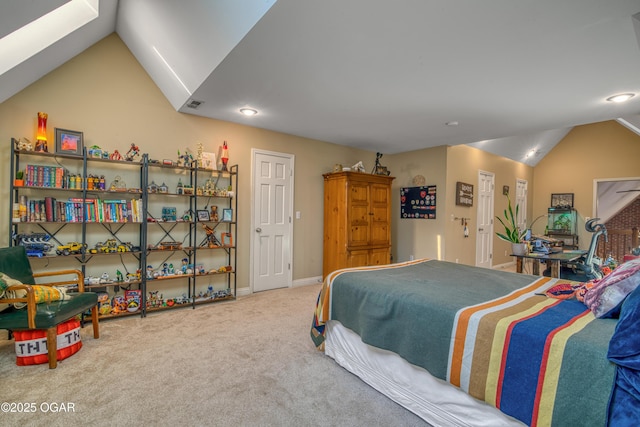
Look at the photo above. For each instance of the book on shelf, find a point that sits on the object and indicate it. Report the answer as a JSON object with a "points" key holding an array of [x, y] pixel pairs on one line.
{"points": [[77, 209], [44, 176]]}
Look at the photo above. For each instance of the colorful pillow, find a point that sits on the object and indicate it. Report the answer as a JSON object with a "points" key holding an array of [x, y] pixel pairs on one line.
{"points": [[3, 287], [607, 294], [41, 293]]}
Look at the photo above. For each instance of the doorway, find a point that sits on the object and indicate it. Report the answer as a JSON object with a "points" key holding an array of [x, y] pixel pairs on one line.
{"points": [[521, 202], [272, 226], [484, 240]]}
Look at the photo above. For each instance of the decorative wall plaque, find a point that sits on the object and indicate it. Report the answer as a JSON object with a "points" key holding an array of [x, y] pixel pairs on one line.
{"points": [[418, 202], [464, 194]]}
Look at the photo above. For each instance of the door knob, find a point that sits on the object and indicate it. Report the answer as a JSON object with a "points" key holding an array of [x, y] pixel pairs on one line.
{"points": [[258, 230], [480, 229]]}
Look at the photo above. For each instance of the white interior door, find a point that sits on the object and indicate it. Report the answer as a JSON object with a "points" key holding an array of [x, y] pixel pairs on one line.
{"points": [[484, 240], [272, 224], [521, 202]]}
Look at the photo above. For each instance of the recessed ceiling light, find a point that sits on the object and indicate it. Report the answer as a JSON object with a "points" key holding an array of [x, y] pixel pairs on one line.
{"points": [[454, 123], [248, 111], [622, 97]]}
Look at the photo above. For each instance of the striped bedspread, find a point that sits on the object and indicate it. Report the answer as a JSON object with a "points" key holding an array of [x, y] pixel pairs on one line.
{"points": [[491, 333]]}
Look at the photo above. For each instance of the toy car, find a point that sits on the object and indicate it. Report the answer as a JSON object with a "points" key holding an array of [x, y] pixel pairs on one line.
{"points": [[169, 246], [71, 248], [110, 246]]}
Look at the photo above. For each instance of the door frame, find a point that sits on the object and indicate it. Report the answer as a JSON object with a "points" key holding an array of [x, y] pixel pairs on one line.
{"points": [[291, 157], [491, 206]]}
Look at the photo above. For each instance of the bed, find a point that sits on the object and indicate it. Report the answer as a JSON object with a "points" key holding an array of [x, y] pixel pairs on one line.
{"points": [[467, 346]]}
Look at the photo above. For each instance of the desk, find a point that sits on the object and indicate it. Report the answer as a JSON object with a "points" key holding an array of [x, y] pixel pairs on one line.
{"points": [[554, 260]]}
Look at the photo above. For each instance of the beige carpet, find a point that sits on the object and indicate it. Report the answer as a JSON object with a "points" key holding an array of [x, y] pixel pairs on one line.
{"points": [[248, 362]]}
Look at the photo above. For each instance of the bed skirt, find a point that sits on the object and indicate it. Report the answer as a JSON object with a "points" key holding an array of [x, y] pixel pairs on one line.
{"points": [[436, 401]]}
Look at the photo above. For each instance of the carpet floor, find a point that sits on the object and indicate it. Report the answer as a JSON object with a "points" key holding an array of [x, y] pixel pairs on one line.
{"points": [[248, 362]]}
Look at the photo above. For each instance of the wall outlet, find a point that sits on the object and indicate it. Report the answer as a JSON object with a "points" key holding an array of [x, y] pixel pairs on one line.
{"points": [[410, 257], [456, 260]]}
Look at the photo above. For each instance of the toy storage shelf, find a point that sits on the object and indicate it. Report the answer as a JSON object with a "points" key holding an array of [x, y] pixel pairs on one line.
{"points": [[82, 207], [186, 262]]}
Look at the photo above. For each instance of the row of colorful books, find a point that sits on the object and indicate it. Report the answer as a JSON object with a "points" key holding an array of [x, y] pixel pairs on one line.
{"points": [[45, 176], [78, 210]]}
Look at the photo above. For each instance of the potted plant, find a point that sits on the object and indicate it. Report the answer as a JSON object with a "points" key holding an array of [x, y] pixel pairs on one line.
{"points": [[19, 181], [512, 232]]}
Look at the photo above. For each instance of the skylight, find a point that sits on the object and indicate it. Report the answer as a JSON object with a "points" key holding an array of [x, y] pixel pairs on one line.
{"points": [[41, 33]]}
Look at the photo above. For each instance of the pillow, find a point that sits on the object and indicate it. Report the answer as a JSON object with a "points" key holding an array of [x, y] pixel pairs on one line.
{"points": [[3, 287], [41, 293], [607, 294]]}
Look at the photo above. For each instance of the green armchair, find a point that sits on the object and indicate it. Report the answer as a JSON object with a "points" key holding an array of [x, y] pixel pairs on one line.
{"points": [[15, 264]]}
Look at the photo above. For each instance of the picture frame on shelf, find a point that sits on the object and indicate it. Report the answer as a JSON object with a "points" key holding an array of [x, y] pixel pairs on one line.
{"points": [[203, 215], [208, 161], [227, 239], [69, 142], [227, 215]]}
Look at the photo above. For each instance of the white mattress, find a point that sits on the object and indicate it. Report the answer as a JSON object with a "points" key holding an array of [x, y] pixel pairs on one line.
{"points": [[436, 401]]}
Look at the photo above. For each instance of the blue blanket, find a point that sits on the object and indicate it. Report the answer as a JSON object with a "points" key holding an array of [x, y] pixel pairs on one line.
{"points": [[624, 351]]}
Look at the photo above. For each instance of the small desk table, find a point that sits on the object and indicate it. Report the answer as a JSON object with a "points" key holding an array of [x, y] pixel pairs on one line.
{"points": [[554, 260]]}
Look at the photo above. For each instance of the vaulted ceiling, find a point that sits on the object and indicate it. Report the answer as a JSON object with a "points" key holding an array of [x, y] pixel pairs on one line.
{"points": [[509, 77]]}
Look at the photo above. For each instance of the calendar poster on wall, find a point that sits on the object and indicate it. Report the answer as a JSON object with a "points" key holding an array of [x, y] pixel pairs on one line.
{"points": [[418, 202]]}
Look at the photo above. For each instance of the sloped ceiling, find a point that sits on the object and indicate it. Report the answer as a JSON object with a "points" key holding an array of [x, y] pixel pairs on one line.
{"points": [[508, 77]]}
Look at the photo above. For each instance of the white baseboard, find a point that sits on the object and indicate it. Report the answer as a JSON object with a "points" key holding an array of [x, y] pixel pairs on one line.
{"points": [[241, 292], [505, 265], [316, 280]]}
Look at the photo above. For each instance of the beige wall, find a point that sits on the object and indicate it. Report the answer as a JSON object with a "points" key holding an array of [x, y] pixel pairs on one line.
{"points": [[444, 167], [417, 237], [463, 164], [105, 93], [596, 151]]}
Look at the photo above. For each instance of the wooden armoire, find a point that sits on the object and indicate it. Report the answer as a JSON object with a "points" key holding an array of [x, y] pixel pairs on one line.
{"points": [[357, 220]]}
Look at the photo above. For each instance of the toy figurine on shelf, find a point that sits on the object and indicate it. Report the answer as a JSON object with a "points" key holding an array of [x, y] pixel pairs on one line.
{"points": [[186, 267], [134, 151], [24, 144], [115, 155], [224, 157], [199, 154], [185, 159], [211, 240]]}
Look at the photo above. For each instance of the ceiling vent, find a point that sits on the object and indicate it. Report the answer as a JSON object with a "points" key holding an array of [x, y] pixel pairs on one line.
{"points": [[194, 104]]}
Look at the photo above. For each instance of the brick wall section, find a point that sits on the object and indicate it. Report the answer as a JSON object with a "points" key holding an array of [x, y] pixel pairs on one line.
{"points": [[626, 219]]}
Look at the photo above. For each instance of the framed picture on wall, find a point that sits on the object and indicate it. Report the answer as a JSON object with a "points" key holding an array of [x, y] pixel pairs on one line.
{"points": [[562, 200], [69, 142]]}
